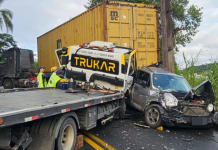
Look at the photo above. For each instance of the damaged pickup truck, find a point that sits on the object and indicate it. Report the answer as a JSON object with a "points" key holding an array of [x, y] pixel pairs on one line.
{"points": [[167, 99]]}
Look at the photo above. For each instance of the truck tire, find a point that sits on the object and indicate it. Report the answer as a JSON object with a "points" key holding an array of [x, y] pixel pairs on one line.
{"points": [[122, 109], [8, 84], [153, 117], [67, 135]]}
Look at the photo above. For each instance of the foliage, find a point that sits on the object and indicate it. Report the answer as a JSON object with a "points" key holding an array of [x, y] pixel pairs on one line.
{"points": [[176, 68], [213, 77], [5, 18], [92, 3], [202, 68], [191, 75], [36, 66], [6, 41], [185, 19]]}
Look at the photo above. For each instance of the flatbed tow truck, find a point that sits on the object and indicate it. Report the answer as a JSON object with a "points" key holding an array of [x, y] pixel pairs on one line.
{"points": [[48, 118]]}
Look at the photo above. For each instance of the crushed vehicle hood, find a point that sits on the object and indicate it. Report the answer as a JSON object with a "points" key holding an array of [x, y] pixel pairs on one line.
{"points": [[205, 91]]}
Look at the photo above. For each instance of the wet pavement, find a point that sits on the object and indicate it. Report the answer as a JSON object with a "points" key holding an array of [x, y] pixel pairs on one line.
{"points": [[122, 134]]}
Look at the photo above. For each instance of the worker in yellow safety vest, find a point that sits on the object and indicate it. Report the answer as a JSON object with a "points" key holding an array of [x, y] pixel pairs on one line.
{"points": [[55, 77], [42, 78], [54, 69]]}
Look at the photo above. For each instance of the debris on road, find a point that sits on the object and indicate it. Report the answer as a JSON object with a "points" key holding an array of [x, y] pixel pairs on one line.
{"points": [[168, 131], [124, 132], [187, 140], [160, 128], [168, 148], [141, 125], [161, 136]]}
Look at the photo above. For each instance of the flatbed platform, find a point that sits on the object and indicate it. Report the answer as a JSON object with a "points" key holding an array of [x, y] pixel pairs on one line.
{"points": [[24, 106]]}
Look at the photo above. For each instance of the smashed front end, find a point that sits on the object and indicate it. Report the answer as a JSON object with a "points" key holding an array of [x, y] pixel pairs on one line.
{"points": [[196, 108]]}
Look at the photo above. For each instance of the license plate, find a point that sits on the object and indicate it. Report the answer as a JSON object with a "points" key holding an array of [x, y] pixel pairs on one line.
{"points": [[199, 121]]}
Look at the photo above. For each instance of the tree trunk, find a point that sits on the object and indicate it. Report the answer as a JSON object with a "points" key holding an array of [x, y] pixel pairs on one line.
{"points": [[167, 40]]}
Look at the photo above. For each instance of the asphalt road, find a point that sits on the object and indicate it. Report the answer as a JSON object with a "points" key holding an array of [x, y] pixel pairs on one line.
{"points": [[122, 134]]}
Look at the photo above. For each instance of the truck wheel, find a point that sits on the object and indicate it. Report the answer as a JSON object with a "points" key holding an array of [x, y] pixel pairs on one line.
{"points": [[67, 135], [8, 84], [122, 109], [153, 117]]}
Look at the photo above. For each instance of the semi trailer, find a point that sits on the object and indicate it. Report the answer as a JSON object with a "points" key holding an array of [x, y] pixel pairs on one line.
{"points": [[123, 23]]}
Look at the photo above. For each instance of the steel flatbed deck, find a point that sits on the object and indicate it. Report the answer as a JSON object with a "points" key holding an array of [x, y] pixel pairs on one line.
{"points": [[24, 106]]}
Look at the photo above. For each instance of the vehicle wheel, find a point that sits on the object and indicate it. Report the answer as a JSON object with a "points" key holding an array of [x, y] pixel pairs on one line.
{"points": [[67, 135], [122, 109], [8, 84], [153, 117]]}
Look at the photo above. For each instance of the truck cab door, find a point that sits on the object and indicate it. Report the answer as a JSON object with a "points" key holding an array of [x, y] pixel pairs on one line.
{"points": [[140, 91], [3, 65], [8, 63]]}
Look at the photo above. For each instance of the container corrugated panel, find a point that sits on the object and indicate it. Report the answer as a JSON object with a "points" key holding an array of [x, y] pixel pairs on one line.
{"points": [[126, 24]]}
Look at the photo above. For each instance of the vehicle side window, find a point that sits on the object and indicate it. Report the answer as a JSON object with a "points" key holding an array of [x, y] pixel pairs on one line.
{"points": [[3, 60], [145, 77]]}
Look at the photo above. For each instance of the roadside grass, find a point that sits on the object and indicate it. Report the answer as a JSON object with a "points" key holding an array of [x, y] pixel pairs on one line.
{"points": [[189, 72], [213, 77]]}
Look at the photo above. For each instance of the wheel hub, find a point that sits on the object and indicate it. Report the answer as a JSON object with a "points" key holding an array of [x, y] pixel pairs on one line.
{"points": [[153, 115], [67, 137]]}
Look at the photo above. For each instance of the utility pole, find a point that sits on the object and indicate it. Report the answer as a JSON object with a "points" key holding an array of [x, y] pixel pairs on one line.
{"points": [[167, 37]]}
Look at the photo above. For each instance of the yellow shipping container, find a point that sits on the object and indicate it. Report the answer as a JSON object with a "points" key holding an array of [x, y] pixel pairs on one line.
{"points": [[126, 24]]}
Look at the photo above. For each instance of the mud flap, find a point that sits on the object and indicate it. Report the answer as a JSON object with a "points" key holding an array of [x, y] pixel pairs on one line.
{"points": [[42, 142], [5, 137], [23, 142]]}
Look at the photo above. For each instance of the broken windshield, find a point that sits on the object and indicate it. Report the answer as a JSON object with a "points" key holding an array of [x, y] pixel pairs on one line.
{"points": [[170, 83]]}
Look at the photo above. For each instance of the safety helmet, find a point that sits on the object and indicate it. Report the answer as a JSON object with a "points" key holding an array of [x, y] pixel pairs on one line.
{"points": [[54, 68]]}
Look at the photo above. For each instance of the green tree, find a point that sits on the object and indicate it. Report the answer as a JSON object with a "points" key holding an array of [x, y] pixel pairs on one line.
{"points": [[36, 66], [6, 41], [92, 3], [185, 19], [5, 18]]}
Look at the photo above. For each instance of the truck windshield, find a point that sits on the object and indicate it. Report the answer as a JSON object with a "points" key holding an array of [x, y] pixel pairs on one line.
{"points": [[171, 83]]}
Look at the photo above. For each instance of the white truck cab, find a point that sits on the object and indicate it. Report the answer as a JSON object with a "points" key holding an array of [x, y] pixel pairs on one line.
{"points": [[103, 63]]}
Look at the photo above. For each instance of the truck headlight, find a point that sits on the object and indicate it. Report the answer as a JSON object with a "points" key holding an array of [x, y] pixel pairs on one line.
{"points": [[170, 100], [210, 107]]}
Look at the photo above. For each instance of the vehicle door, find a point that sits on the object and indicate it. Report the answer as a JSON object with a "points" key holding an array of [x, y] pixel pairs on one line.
{"points": [[3, 65], [141, 90]]}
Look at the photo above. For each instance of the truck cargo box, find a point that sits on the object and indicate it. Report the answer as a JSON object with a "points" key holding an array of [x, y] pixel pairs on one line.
{"points": [[125, 24]]}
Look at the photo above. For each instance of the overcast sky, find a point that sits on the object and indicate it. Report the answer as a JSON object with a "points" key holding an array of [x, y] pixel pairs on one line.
{"points": [[33, 18]]}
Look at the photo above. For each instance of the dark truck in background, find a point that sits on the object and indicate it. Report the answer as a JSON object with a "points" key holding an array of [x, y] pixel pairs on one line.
{"points": [[17, 68]]}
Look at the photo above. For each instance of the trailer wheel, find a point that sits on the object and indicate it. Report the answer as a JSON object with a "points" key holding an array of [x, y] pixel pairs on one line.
{"points": [[8, 84], [67, 135]]}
